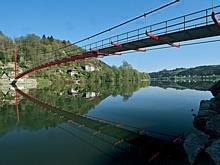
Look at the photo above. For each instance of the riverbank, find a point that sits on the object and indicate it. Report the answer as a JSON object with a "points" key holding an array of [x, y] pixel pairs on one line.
{"points": [[206, 141]]}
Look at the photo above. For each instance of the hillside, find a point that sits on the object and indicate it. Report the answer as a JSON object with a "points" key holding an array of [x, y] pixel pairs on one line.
{"points": [[211, 71], [33, 49]]}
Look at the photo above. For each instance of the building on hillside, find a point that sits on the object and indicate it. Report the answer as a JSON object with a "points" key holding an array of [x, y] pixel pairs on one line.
{"points": [[72, 72], [4, 76], [90, 95], [72, 92], [89, 67]]}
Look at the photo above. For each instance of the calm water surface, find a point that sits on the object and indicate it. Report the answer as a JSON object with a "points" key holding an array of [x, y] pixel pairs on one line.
{"points": [[163, 110], [96, 124]]}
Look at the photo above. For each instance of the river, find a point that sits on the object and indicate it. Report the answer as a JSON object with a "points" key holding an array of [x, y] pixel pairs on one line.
{"points": [[126, 123]]}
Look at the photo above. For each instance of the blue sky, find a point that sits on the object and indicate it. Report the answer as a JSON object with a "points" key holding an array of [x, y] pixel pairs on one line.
{"points": [[75, 19]]}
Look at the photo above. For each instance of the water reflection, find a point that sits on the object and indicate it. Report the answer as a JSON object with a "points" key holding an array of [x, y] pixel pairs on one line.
{"points": [[134, 121], [197, 85]]}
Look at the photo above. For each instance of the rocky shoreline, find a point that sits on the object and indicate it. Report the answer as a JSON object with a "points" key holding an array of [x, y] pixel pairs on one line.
{"points": [[205, 142]]}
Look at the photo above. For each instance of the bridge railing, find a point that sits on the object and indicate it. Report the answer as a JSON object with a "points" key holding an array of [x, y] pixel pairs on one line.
{"points": [[189, 21], [192, 20]]}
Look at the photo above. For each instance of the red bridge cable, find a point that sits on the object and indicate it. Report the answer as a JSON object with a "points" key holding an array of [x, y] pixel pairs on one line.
{"points": [[119, 45], [182, 45], [216, 18], [15, 62], [156, 38]]}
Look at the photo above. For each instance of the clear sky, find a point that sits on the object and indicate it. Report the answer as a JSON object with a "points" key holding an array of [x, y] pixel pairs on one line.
{"points": [[75, 19]]}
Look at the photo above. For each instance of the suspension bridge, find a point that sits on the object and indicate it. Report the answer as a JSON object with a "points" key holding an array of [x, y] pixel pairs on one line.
{"points": [[197, 25]]}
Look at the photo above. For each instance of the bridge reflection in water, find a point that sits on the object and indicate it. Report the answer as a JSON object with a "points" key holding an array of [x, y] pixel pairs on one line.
{"points": [[94, 123], [130, 143]]}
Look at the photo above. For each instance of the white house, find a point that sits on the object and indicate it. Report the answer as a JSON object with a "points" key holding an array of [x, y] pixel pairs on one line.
{"points": [[90, 95], [72, 92], [90, 68], [4, 76], [72, 72]]}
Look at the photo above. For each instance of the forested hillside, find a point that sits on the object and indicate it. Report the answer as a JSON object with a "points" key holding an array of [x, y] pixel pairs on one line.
{"points": [[201, 71], [32, 49]]}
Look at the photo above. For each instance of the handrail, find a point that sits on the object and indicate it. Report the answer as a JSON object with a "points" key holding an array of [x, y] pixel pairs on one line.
{"points": [[205, 13]]}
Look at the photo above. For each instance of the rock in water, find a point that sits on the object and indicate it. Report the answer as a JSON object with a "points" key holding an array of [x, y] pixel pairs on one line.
{"points": [[213, 126], [194, 144], [214, 151], [202, 117], [205, 105], [215, 89]]}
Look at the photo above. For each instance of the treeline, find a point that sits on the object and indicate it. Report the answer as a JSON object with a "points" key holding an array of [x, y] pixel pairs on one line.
{"points": [[211, 70], [5, 44], [103, 73], [32, 48], [125, 72], [181, 85]]}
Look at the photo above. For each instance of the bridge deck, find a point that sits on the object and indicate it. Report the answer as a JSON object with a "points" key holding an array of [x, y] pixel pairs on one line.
{"points": [[185, 35]]}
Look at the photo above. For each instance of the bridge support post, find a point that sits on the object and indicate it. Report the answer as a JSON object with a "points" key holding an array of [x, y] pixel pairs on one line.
{"points": [[15, 61]]}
